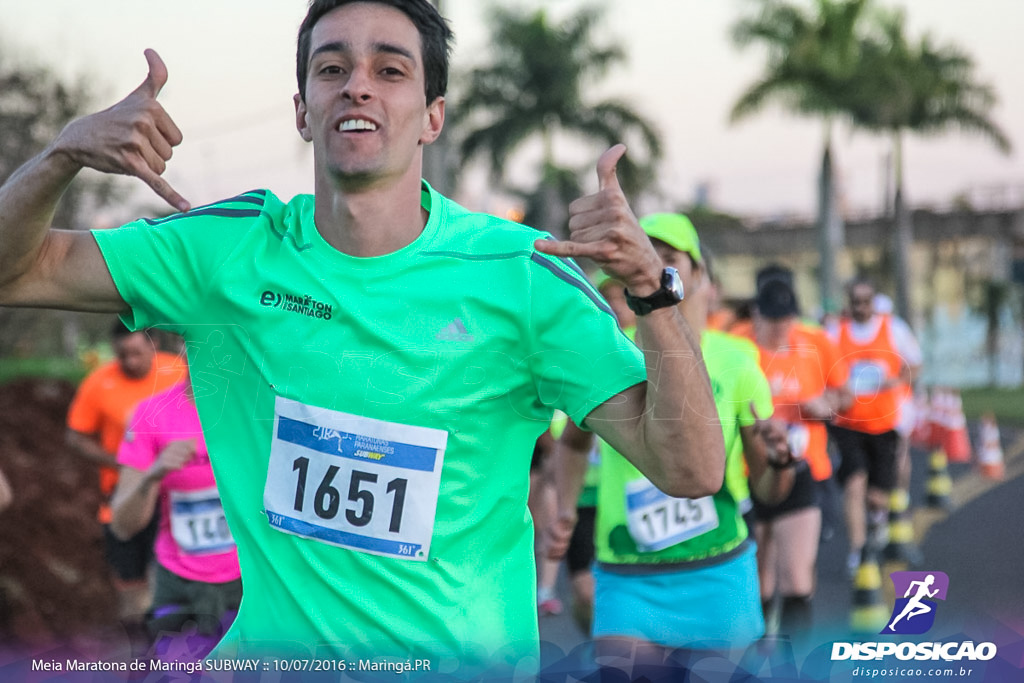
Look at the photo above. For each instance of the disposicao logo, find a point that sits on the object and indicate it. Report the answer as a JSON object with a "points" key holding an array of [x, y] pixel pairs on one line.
{"points": [[914, 613]]}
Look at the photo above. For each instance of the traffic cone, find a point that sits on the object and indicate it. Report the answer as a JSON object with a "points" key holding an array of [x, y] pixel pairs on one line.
{"points": [[939, 485], [901, 546], [868, 611], [958, 445], [921, 435], [937, 418], [990, 455]]}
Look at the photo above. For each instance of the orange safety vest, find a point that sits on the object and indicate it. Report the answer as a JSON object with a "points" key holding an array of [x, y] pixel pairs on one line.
{"points": [[874, 409], [797, 373]]}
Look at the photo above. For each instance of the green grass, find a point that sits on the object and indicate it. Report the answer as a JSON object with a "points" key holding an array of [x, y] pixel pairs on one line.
{"points": [[1006, 404], [62, 368]]}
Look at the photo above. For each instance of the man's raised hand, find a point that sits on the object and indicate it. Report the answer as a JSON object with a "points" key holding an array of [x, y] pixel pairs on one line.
{"points": [[134, 137], [602, 227]]}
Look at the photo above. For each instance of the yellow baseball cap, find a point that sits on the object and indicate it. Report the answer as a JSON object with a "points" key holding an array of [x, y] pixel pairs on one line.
{"points": [[675, 230]]}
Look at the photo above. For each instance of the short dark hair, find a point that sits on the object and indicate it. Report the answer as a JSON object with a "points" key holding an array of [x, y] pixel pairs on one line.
{"points": [[707, 258], [118, 330], [435, 36]]}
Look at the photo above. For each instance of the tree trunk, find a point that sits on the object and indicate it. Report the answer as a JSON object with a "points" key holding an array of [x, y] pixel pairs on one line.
{"points": [[830, 234], [903, 237]]}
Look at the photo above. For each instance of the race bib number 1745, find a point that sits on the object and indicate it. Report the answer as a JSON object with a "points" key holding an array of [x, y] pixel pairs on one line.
{"points": [[657, 521], [353, 481]]}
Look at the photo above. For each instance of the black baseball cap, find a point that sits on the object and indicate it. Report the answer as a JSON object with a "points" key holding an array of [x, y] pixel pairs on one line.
{"points": [[773, 271], [776, 300]]}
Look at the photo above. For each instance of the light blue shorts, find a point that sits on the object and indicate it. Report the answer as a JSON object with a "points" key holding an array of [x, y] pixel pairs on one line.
{"points": [[715, 606]]}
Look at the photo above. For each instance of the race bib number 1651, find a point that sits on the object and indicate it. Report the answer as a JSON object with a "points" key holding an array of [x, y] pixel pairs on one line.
{"points": [[353, 481]]}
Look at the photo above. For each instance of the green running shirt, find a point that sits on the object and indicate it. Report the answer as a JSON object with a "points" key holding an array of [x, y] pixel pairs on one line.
{"points": [[639, 525], [371, 420]]}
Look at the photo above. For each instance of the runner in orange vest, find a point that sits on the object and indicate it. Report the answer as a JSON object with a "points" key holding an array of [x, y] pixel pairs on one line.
{"points": [[883, 356], [808, 384], [883, 305]]}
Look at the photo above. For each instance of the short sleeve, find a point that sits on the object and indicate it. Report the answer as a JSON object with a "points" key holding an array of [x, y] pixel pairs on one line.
{"points": [[163, 267], [138, 448], [84, 411], [578, 355], [906, 343], [753, 389], [737, 380]]}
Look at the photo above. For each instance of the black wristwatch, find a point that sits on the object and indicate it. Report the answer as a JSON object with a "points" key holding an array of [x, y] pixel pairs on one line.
{"points": [[670, 294]]}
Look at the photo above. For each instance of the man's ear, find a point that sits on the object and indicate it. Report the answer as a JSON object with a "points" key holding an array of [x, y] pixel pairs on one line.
{"points": [[433, 121], [300, 118]]}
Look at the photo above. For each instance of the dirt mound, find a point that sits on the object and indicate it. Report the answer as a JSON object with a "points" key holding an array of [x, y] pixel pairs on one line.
{"points": [[54, 582]]}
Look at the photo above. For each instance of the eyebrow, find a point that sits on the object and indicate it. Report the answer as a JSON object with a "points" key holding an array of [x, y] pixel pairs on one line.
{"points": [[380, 47]]}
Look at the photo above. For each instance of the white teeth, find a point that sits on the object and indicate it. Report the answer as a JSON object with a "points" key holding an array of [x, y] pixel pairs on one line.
{"points": [[357, 124]]}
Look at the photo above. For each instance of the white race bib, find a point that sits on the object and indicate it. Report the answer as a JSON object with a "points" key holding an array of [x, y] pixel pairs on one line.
{"points": [[197, 522], [353, 481], [866, 378], [657, 521], [798, 438]]}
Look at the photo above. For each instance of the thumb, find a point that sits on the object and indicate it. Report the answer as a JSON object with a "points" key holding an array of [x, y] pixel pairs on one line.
{"points": [[606, 176], [157, 76]]}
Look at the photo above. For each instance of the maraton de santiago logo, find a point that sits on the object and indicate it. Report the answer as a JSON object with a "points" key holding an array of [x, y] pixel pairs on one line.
{"points": [[301, 304]]}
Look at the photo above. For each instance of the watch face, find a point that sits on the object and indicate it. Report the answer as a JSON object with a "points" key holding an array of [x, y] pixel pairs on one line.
{"points": [[674, 283]]}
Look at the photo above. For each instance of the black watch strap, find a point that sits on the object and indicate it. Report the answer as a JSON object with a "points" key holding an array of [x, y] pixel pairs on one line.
{"points": [[669, 294]]}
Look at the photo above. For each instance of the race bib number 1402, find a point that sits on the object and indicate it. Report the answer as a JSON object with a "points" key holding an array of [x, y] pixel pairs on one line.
{"points": [[353, 481]]}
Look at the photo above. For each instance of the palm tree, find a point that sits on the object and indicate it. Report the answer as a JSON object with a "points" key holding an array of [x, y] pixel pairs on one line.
{"points": [[922, 88], [812, 58], [533, 89]]}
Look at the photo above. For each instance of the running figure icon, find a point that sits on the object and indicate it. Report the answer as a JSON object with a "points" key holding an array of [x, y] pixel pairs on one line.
{"points": [[915, 606]]}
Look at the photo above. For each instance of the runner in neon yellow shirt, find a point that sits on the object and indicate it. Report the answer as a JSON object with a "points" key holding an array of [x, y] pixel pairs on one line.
{"points": [[681, 572]]}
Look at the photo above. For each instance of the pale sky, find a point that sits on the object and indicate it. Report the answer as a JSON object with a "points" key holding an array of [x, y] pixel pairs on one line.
{"points": [[231, 65]]}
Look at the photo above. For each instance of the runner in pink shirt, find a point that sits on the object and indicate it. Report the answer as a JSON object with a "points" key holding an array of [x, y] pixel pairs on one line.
{"points": [[164, 460]]}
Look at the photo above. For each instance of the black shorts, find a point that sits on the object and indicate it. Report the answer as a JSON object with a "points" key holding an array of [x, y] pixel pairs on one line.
{"points": [[859, 451], [177, 601], [130, 559], [803, 495], [580, 553]]}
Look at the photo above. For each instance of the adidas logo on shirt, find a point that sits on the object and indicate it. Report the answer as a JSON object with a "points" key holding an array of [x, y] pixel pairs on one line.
{"points": [[455, 331]]}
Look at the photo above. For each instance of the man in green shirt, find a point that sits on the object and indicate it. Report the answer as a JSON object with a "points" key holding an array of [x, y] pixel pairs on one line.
{"points": [[373, 363]]}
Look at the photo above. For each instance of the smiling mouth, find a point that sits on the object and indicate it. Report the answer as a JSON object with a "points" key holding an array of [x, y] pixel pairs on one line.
{"points": [[357, 125]]}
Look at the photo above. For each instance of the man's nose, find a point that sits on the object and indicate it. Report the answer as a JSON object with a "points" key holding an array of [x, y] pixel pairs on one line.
{"points": [[359, 86]]}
